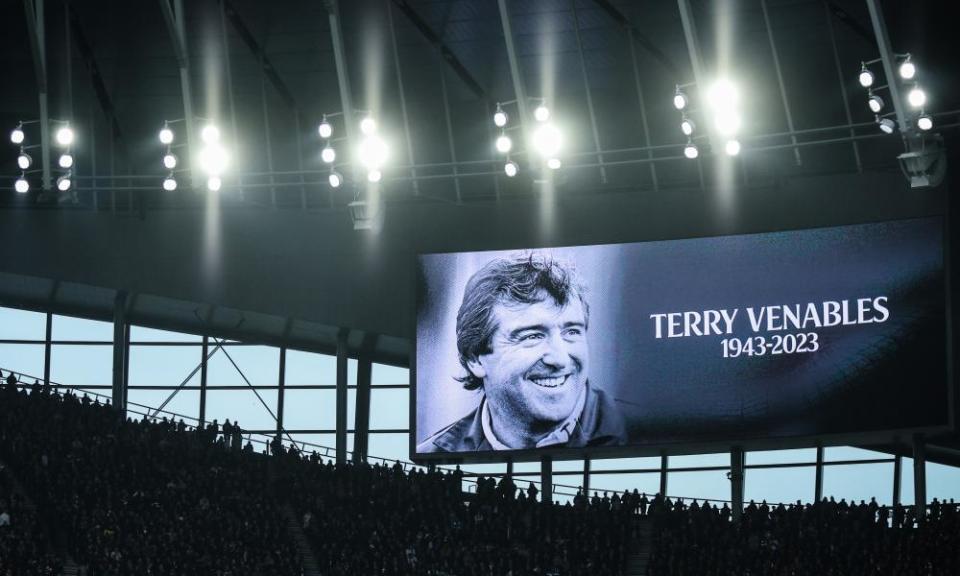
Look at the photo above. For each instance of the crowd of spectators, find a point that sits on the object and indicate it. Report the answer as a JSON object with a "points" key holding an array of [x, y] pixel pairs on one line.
{"points": [[134, 497], [826, 538], [24, 548]]}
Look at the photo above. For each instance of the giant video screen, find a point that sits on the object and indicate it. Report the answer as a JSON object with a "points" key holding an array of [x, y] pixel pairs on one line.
{"points": [[706, 341]]}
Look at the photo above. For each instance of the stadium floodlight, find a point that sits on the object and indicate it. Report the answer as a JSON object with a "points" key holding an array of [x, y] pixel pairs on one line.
{"points": [[875, 103], [64, 182], [688, 127], [328, 154], [732, 147], [511, 169], [166, 135], [210, 134], [886, 125], [335, 179], [907, 69], [546, 140], [925, 122], [723, 98], [504, 144], [170, 183], [214, 183], [213, 159], [374, 176], [373, 152], [65, 136], [690, 150], [17, 136], [500, 117], [368, 125], [554, 163], [680, 100], [24, 160], [865, 77], [66, 160], [22, 185], [541, 113], [169, 161], [325, 129], [917, 97]]}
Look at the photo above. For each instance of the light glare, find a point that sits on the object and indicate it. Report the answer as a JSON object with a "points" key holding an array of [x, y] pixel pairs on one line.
{"points": [[24, 161], [679, 100], [210, 134], [328, 155], [17, 136], [917, 97], [66, 161], [214, 183], [169, 184], [325, 130], [732, 147], [925, 122], [546, 140], [21, 185], [166, 136], [368, 125], [500, 118], [690, 151], [373, 152], [687, 126], [335, 179], [541, 113], [554, 163], [511, 169], [213, 159], [65, 136], [169, 161], [64, 182], [374, 175], [504, 144], [908, 70]]}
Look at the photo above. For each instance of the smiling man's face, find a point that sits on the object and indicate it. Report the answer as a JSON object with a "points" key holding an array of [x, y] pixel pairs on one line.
{"points": [[537, 366]]}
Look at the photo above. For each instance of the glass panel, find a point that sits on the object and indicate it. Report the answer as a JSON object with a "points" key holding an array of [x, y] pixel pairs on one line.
{"points": [[389, 408], [780, 485], [185, 403], [307, 368], [18, 324], [164, 365], [626, 463], [243, 407], [70, 328], [389, 446], [324, 444], [647, 483], [943, 482], [855, 482], [25, 359], [384, 375], [906, 481], [82, 365], [711, 485], [141, 334], [693, 460], [260, 365], [835, 453], [783, 456], [310, 409]]}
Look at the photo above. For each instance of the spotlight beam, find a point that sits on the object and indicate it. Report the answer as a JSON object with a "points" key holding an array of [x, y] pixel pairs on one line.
{"points": [[518, 87], [178, 37], [889, 63], [36, 31], [779, 71]]}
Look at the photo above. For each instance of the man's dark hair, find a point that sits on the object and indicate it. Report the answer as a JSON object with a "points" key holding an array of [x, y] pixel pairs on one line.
{"points": [[526, 279]]}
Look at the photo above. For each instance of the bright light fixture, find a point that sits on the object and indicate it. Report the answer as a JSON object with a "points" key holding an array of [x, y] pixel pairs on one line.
{"points": [[875, 103], [865, 77], [328, 155], [687, 126], [925, 122], [210, 134], [66, 160], [546, 140], [732, 147], [22, 185], [554, 163], [213, 159], [65, 136], [169, 161], [511, 169], [169, 183], [907, 69], [17, 136], [917, 97], [335, 179], [500, 117], [373, 152], [886, 125], [64, 182], [680, 99], [166, 135], [724, 98], [368, 125], [541, 113], [690, 151], [214, 183], [24, 161], [504, 144], [374, 175], [325, 129]]}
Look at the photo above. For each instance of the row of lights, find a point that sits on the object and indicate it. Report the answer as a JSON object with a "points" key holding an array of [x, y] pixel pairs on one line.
{"points": [[213, 157], [64, 137], [546, 139], [723, 108], [916, 97], [372, 151]]}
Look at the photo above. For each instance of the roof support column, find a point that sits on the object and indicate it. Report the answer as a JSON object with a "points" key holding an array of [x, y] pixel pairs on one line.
{"points": [[343, 77], [341, 399], [176, 26], [643, 109], [403, 99], [888, 59], [36, 31], [737, 458], [119, 350], [919, 478], [783, 88]]}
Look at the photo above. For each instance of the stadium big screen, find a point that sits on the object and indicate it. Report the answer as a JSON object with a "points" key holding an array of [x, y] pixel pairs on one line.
{"points": [[779, 337]]}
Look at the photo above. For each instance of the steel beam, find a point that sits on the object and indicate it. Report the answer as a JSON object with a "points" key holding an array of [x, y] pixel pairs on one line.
{"points": [[343, 75], [842, 81], [586, 88], [518, 86], [783, 88], [737, 460], [693, 48], [36, 31], [403, 98], [643, 109], [341, 396], [449, 123], [259, 53], [176, 26], [889, 63]]}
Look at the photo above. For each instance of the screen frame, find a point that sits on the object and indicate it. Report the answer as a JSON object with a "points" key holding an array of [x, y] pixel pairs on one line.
{"points": [[727, 443]]}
